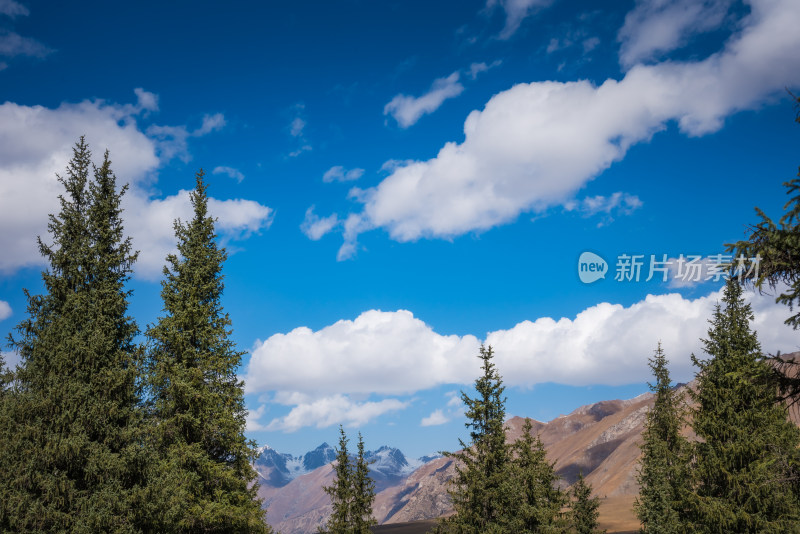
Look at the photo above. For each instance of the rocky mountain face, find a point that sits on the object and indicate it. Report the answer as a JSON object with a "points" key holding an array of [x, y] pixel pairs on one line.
{"points": [[291, 486]]}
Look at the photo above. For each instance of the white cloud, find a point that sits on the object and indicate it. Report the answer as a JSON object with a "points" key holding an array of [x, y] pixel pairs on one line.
{"points": [[516, 12], [618, 203], [395, 353], [478, 68], [340, 174], [36, 143], [334, 410], [536, 144], [5, 310], [314, 227], [173, 140], [437, 417], [300, 150], [11, 359], [656, 27], [296, 127], [297, 130], [236, 174], [252, 421], [145, 100], [378, 352], [407, 110], [590, 44], [13, 9], [13, 44]]}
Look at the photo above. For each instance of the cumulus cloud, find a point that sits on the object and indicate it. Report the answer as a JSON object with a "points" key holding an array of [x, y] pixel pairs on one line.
{"points": [[656, 27], [389, 354], [314, 227], [236, 174], [340, 174], [516, 11], [5, 310], [334, 410], [36, 143], [407, 110], [395, 353], [534, 145]]}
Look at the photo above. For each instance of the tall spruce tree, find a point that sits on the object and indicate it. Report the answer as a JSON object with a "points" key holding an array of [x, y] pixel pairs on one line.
{"points": [[584, 508], [480, 490], [72, 461], [341, 491], [742, 459], [363, 488], [352, 492], [536, 499], [203, 480], [662, 472]]}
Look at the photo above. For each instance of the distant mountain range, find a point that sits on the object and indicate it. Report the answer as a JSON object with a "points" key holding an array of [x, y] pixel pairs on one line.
{"points": [[278, 469], [600, 440]]}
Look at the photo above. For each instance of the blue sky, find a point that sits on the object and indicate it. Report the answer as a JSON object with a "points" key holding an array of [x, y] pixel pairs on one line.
{"points": [[398, 182]]}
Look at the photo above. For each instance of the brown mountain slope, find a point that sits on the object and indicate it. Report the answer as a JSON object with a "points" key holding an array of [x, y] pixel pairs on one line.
{"points": [[600, 440]]}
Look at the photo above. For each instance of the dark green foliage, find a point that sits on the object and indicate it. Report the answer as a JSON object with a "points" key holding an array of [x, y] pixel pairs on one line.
{"points": [[747, 446], [352, 492], [71, 457], [340, 491], [363, 488], [663, 473], [536, 499], [202, 480], [480, 488], [584, 508]]}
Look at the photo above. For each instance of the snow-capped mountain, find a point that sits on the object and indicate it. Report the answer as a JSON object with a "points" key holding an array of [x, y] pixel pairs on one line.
{"points": [[278, 469], [387, 464]]}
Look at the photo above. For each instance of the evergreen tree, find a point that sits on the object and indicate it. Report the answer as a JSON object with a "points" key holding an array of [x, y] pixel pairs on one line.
{"points": [[480, 488], [202, 479], [584, 508], [537, 500], [352, 492], [71, 462], [746, 445], [341, 491], [662, 473], [363, 489]]}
